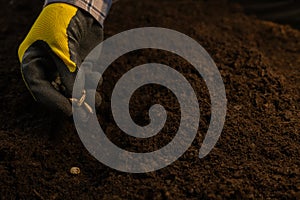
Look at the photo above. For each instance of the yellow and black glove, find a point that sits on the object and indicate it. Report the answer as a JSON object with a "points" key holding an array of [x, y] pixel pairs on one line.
{"points": [[51, 53]]}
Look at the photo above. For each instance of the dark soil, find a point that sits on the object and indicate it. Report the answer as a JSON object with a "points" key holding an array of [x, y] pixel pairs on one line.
{"points": [[257, 156]]}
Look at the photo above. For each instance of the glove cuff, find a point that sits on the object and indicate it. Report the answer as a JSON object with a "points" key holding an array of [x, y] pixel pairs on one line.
{"points": [[97, 8], [54, 33]]}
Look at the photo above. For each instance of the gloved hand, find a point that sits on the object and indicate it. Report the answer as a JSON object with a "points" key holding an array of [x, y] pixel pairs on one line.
{"points": [[52, 52]]}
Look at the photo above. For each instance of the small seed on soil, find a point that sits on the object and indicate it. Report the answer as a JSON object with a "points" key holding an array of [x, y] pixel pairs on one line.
{"points": [[75, 170]]}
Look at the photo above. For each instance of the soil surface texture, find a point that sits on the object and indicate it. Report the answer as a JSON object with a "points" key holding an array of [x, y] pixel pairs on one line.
{"points": [[256, 157]]}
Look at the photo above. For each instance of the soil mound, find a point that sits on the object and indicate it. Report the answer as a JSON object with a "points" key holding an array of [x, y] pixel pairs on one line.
{"points": [[257, 156]]}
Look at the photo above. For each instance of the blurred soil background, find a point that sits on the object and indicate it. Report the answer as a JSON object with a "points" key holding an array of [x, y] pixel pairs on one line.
{"points": [[256, 157]]}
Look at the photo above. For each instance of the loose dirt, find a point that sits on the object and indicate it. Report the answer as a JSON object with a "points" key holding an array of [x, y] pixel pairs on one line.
{"points": [[257, 156]]}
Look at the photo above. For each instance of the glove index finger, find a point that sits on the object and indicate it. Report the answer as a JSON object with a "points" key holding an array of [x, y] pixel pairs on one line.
{"points": [[92, 77], [35, 77]]}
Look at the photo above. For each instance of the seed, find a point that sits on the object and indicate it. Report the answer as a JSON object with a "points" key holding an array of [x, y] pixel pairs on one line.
{"points": [[75, 170]]}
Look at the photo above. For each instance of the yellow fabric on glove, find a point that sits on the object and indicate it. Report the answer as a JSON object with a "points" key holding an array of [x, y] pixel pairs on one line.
{"points": [[51, 27]]}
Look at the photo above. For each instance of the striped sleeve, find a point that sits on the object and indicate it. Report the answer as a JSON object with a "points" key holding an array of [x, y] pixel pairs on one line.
{"points": [[97, 8]]}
